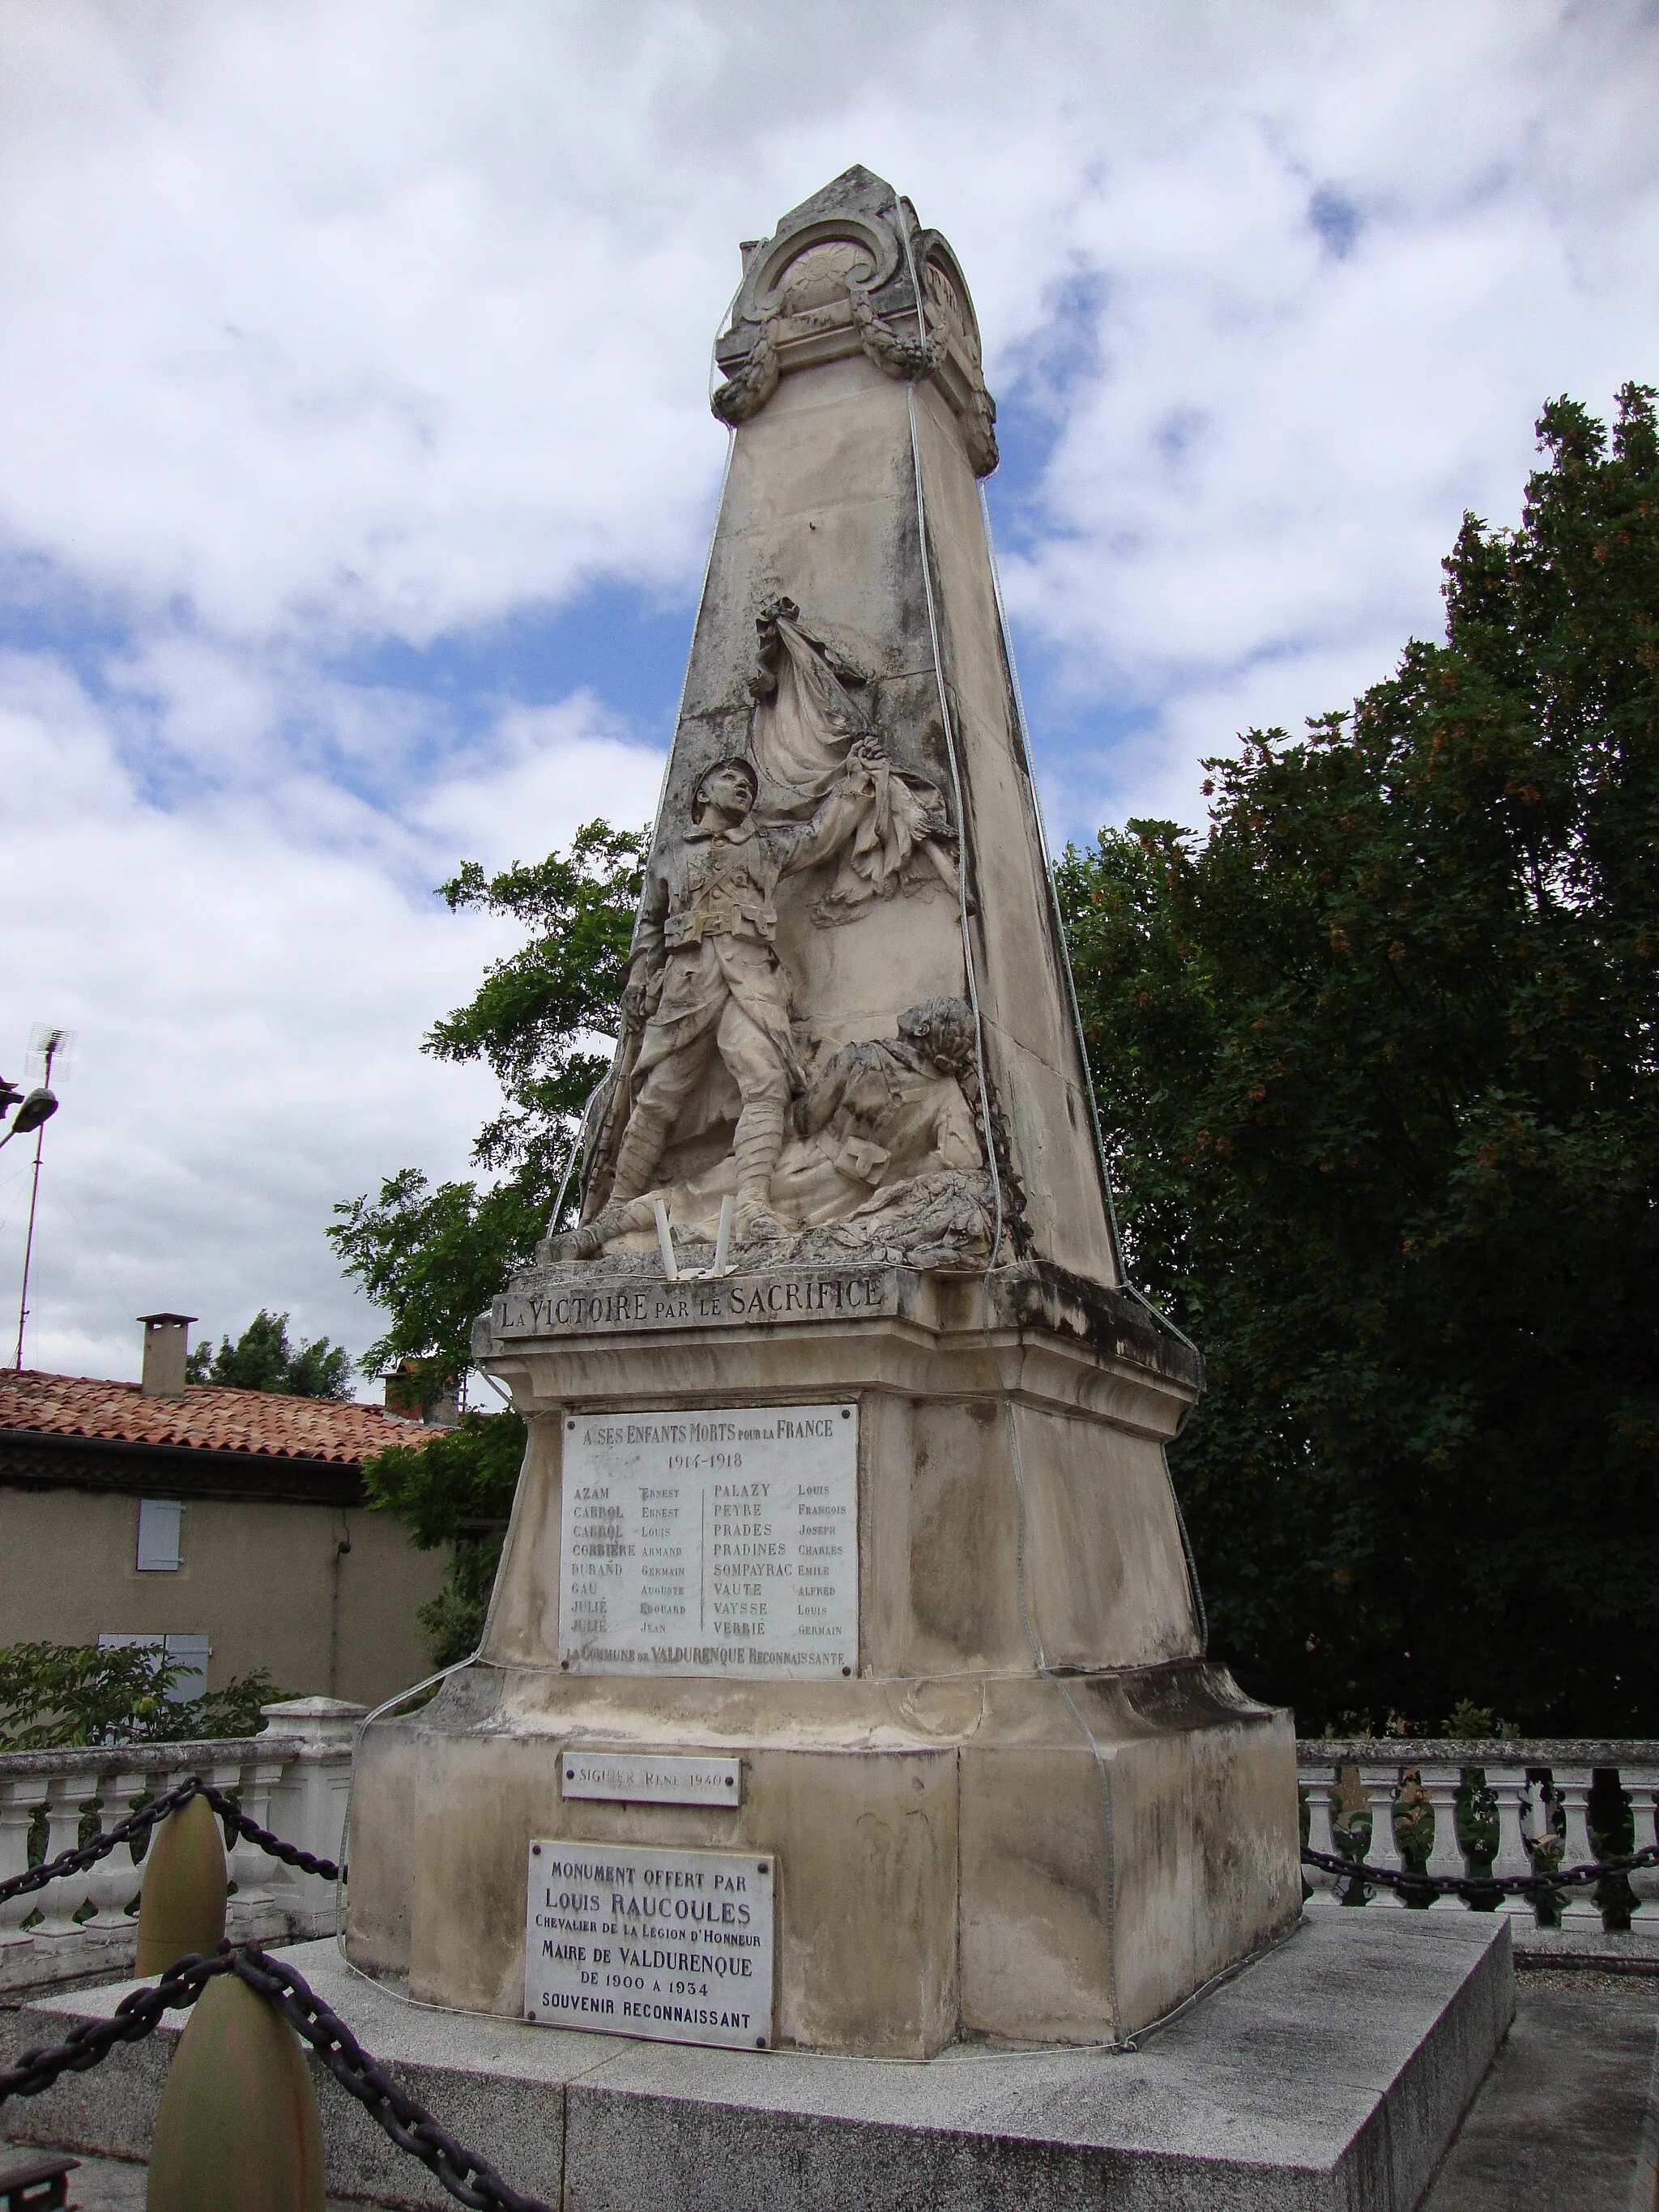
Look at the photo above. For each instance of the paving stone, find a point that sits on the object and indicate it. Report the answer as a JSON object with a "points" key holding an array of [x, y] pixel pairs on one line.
{"points": [[1567, 2115]]}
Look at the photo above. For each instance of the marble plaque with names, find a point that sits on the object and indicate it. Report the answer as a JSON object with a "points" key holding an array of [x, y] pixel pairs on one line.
{"points": [[626, 1939], [645, 1777], [721, 1542]]}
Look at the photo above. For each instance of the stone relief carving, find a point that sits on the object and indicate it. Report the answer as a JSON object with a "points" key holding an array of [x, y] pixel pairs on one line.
{"points": [[882, 1159], [706, 981], [810, 733], [896, 356], [747, 390]]}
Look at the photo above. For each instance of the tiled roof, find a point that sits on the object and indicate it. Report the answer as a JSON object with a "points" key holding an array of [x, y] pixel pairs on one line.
{"points": [[208, 1418]]}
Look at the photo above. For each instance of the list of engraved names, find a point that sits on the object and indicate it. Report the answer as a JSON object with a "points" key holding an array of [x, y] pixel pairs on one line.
{"points": [[722, 1542]]}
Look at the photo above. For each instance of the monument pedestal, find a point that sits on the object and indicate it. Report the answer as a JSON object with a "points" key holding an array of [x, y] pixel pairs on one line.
{"points": [[1330, 2074], [1024, 1806]]}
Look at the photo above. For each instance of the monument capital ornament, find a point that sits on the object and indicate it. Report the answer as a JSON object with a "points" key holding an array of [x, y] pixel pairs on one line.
{"points": [[842, 275]]}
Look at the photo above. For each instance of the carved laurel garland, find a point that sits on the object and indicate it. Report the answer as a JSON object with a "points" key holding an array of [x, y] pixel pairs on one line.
{"points": [[905, 359], [909, 359], [749, 387]]}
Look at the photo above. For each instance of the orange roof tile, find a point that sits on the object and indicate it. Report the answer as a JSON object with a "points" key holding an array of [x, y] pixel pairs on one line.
{"points": [[208, 1418]]}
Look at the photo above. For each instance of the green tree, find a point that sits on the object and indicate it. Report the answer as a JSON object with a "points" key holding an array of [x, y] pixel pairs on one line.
{"points": [[262, 1358], [1376, 1056], [53, 1694], [432, 1256], [457, 1489]]}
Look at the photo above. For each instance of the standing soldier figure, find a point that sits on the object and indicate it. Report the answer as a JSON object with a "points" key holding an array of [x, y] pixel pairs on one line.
{"points": [[705, 977]]}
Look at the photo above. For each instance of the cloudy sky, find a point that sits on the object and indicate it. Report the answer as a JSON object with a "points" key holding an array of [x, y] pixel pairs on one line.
{"points": [[359, 469]]}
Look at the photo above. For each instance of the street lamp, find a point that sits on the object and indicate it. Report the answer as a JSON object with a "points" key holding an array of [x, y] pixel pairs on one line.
{"points": [[37, 1108], [34, 1111]]}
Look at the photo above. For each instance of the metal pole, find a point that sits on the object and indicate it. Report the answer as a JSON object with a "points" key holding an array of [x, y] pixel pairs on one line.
{"points": [[34, 1194]]}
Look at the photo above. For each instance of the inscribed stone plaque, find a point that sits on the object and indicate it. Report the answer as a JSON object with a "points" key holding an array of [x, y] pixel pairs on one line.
{"points": [[647, 1777], [711, 1543], [563, 1306], [623, 1939]]}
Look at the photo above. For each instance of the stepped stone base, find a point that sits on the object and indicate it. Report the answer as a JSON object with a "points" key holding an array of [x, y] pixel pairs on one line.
{"points": [[1329, 2075]]}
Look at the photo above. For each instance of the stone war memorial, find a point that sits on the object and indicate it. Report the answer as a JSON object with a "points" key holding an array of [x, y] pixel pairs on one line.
{"points": [[844, 1687], [865, 1501]]}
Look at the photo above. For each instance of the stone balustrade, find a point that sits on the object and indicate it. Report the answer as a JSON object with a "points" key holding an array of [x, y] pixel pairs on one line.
{"points": [[293, 1778], [1394, 1803]]}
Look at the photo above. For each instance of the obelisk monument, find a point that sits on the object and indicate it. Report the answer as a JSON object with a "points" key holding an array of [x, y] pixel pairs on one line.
{"points": [[843, 1685]]}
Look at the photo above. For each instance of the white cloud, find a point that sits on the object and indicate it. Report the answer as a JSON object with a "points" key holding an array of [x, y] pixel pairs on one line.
{"points": [[1254, 483], [248, 997], [330, 328]]}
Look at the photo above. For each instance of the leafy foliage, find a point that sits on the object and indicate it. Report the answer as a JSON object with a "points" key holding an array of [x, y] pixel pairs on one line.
{"points": [[57, 1694], [535, 1011], [262, 1358], [457, 1489], [433, 1256], [1378, 1058]]}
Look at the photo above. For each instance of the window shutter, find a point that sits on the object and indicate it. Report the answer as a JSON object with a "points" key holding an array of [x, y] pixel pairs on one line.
{"points": [[158, 1534]]}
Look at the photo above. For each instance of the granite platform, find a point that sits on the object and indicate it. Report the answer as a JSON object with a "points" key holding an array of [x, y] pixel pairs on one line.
{"points": [[1329, 2075]]}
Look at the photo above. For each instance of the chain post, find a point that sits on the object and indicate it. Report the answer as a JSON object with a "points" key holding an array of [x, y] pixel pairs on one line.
{"points": [[237, 2129], [181, 1906]]}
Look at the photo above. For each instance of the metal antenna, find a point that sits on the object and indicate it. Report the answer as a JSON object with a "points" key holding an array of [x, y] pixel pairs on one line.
{"points": [[51, 1042]]}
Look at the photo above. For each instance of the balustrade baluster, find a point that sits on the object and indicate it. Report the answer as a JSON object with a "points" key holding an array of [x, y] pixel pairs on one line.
{"points": [[1573, 1783], [1321, 1786], [1441, 1785], [255, 1873], [67, 1795], [19, 1802], [1642, 1787], [225, 1775], [1379, 1784], [1509, 1787], [113, 1883]]}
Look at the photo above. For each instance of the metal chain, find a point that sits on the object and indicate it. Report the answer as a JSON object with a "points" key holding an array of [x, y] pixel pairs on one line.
{"points": [[133, 2019], [140, 1823], [239, 1824], [126, 1831], [1478, 1884], [467, 2176]]}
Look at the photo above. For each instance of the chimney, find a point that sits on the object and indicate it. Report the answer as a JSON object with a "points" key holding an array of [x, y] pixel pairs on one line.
{"points": [[414, 1393], [166, 1340]]}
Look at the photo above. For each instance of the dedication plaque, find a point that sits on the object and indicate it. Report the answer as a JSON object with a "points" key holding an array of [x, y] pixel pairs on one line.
{"points": [[711, 1543], [623, 1939], [650, 1778]]}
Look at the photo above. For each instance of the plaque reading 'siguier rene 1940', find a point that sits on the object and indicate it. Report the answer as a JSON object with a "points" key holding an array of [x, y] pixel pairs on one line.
{"points": [[723, 1542]]}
